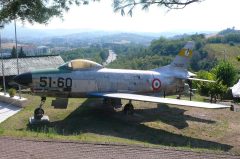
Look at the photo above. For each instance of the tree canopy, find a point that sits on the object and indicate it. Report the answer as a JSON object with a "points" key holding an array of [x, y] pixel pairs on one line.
{"points": [[226, 73], [14, 52], [41, 11], [122, 5]]}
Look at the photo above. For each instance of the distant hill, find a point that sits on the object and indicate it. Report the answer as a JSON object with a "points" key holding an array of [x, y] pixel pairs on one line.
{"points": [[224, 51], [229, 31], [25, 34], [75, 36]]}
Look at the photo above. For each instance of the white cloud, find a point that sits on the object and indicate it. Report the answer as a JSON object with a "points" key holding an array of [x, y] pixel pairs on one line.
{"points": [[205, 16]]}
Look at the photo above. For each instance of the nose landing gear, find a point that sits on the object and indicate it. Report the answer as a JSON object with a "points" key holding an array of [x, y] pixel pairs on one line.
{"points": [[39, 112], [39, 117]]}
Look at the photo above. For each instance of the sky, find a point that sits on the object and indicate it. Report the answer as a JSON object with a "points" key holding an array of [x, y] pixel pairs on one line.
{"points": [[209, 15]]}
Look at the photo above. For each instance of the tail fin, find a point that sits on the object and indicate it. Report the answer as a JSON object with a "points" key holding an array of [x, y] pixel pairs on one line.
{"points": [[182, 59]]}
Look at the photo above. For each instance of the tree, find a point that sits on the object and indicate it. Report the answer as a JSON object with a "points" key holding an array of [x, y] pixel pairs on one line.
{"points": [[121, 5], [238, 58], [41, 11], [203, 87], [214, 89], [217, 89], [13, 52], [226, 73], [104, 55], [21, 53]]}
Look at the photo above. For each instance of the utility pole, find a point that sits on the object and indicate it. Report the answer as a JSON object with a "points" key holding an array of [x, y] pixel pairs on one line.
{"points": [[19, 87], [3, 76]]}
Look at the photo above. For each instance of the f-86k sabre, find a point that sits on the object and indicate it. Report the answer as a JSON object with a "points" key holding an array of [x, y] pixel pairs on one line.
{"points": [[84, 79]]}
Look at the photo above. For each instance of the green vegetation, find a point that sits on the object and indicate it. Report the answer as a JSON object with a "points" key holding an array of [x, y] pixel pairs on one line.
{"points": [[225, 76], [39, 11], [13, 52], [159, 53], [12, 92], [238, 58], [20, 53], [226, 73], [224, 51]]}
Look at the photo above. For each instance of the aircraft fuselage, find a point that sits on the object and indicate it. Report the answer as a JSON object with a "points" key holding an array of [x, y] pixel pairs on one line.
{"points": [[78, 83]]}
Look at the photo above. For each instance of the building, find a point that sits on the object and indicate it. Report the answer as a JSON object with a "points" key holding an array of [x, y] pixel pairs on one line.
{"points": [[27, 64], [6, 54], [31, 50]]}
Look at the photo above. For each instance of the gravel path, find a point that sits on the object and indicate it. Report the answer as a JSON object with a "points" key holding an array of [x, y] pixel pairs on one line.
{"points": [[50, 149]]}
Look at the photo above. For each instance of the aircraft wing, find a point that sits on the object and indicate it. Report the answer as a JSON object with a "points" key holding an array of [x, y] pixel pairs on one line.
{"points": [[159, 100]]}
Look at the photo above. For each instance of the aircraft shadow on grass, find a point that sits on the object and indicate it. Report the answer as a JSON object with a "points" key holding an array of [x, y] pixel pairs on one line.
{"points": [[89, 119]]}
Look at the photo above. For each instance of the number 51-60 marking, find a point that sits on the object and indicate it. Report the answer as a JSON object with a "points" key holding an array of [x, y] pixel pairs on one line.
{"points": [[60, 82]]}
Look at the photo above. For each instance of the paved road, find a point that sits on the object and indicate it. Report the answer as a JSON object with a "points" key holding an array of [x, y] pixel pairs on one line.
{"points": [[7, 110], [26, 149], [111, 57]]}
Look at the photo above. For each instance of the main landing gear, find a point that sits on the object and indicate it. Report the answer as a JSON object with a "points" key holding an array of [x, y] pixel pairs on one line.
{"points": [[128, 108]]}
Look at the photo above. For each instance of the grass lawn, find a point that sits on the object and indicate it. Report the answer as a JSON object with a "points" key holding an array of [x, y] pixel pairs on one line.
{"points": [[152, 125]]}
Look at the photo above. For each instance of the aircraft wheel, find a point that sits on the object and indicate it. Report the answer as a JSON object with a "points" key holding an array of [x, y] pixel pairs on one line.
{"points": [[128, 109], [38, 113]]}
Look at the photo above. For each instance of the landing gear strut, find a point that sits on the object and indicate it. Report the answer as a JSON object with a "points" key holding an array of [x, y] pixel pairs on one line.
{"points": [[128, 108], [39, 112]]}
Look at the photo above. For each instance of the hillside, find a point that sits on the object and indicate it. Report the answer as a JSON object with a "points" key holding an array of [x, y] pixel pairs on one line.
{"points": [[221, 51]]}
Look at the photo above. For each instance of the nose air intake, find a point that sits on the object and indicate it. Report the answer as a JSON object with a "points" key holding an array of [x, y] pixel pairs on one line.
{"points": [[24, 79]]}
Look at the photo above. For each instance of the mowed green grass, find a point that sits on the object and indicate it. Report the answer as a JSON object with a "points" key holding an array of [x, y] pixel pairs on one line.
{"points": [[225, 51], [152, 125]]}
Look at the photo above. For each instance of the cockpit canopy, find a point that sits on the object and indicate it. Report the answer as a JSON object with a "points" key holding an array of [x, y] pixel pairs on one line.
{"points": [[80, 64]]}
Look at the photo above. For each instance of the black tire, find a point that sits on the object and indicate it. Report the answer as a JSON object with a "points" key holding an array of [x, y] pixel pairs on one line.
{"points": [[128, 109], [38, 113]]}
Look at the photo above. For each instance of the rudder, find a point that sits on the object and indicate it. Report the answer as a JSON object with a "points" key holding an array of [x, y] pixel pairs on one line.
{"points": [[182, 59]]}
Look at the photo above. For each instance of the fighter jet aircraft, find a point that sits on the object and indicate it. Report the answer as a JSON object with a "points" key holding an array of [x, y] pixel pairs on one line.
{"points": [[84, 79]]}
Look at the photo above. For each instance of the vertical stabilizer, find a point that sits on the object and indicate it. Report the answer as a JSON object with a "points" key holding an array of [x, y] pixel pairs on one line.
{"points": [[182, 59]]}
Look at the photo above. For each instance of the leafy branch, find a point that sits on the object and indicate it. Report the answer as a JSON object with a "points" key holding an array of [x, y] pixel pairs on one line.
{"points": [[39, 11], [122, 5]]}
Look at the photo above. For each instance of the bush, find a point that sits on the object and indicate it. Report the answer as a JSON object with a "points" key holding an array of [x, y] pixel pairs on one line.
{"points": [[12, 92], [231, 43]]}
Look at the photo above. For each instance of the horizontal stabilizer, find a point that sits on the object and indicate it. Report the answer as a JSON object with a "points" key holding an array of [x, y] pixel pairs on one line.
{"points": [[203, 80], [159, 100]]}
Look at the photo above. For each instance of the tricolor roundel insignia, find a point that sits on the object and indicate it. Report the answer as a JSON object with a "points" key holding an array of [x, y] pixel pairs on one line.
{"points": [[156, 84]]}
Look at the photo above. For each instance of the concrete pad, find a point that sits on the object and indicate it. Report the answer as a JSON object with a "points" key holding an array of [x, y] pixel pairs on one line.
{"points": [[43, 120], [7, 110], [16, 100]]}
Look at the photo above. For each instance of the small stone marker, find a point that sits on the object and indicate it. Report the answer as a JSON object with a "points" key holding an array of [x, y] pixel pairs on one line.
{"points": [[235, 108], [43, 120]]}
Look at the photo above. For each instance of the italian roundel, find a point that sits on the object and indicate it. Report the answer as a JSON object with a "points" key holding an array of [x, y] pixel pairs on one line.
{"points": [[156, 84]]}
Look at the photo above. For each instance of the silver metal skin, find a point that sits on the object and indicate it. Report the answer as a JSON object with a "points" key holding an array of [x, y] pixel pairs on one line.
{"points": [[83, 78]]}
